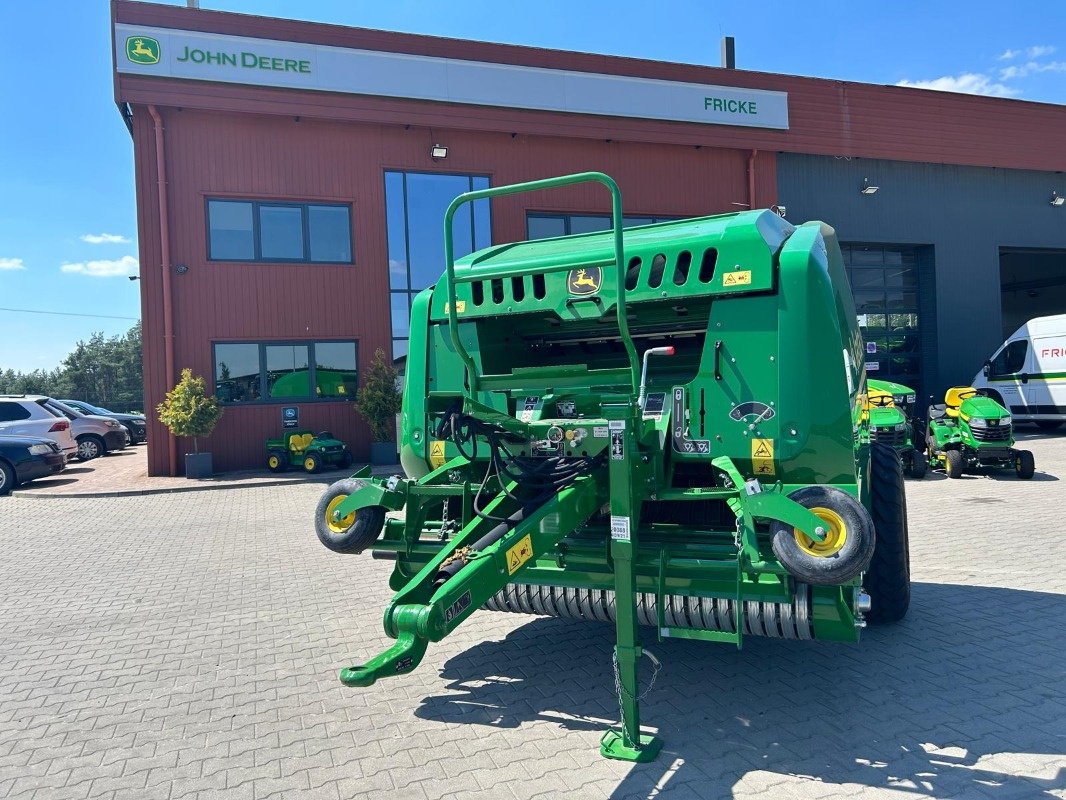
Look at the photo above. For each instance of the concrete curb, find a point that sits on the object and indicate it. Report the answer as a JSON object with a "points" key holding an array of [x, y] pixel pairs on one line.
{"points": [[201, 487]]}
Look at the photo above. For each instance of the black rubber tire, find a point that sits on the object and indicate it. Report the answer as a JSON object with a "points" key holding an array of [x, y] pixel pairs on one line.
{"points": [[1049, 424], [90, 446], [277, 461], [953, 463], [1024, 464], [843, 565], [346, 460], [361, 533], [7, 479], [312, 463], [888, 579], [919, 465]]}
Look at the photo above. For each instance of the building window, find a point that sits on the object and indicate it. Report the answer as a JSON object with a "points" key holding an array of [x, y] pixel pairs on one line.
{"points": [[884, 283], [415, 203], [257, 372], [546, 226], [253, 230]]}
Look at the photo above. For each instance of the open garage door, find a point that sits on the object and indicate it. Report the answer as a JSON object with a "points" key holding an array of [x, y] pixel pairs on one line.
{"points": [[1033, 284]]}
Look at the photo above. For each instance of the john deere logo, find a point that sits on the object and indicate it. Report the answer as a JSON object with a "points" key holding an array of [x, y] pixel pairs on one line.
{"points": [[142, 50], [584, 281]]}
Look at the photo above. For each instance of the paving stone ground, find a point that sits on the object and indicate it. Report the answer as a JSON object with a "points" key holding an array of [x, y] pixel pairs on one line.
{"points": [[187, 645]]}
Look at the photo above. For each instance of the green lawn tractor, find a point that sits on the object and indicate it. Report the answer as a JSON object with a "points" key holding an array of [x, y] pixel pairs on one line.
{"points": [[308, 451], [659, 427], [970, 430], [887, 404]]}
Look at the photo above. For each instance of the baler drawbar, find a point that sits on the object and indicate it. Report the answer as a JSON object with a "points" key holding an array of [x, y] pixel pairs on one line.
{"points": [[661, 426]]}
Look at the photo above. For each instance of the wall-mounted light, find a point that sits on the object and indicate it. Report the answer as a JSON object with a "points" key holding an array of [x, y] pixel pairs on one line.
{"points": [[134, 277], [181, 269], [1057, 199], [438, 151], [866, 188]]}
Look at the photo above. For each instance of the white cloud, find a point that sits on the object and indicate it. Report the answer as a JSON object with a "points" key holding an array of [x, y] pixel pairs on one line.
{"points": [[1031, 68], [104, 238], [127, 265], [1040, 50], [11, 264], [966, 83], [1008, 54]]}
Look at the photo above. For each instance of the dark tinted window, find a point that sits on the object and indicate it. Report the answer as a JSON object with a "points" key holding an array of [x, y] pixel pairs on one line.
{"points": [[288, 370], [415, 203], [251, 230], [281, 233], [231, 233], [1011, 359], [545, 226], [237, 372], [335, 369], [291, 371], [12, 412]]}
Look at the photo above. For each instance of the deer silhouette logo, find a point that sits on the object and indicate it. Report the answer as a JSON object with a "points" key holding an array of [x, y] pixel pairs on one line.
{"points": [[585, 280], [142, 50]]}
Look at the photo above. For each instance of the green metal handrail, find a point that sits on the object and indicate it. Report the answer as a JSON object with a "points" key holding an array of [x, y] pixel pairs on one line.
{"points": [[531, 186]]}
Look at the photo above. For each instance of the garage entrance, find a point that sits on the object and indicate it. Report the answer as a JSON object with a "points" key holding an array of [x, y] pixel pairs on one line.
{"points": [[1032, 284]]}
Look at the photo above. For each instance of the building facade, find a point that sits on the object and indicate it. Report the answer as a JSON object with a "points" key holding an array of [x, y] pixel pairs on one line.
{"points": [[292, 180]]}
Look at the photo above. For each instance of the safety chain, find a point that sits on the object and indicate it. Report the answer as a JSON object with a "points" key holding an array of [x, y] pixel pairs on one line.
{"points": [[621, 692], [445, 525]]}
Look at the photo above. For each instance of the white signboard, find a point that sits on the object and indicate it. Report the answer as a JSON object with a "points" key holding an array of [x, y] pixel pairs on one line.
{"points": [[171, 53]]}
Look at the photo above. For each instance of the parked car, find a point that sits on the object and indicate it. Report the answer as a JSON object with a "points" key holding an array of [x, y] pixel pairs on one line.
{"points": [[96, 436], [23, 458], [134, 423], [27, 415], [1027, 374]]}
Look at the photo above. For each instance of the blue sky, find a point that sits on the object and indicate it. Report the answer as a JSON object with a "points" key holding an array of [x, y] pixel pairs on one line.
{"points": [[67, 215]]}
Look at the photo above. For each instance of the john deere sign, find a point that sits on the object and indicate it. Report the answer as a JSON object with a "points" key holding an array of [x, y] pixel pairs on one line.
{"points": [[189, 55], [142, 50]]}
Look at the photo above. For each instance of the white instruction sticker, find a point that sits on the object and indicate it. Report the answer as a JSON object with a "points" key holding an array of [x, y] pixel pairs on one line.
{"points": [[617, 424], [620, 528], [599, 432]]}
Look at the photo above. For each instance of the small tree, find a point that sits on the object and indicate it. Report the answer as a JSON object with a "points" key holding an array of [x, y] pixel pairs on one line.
{"points": [[189, 410], [379, 400]]}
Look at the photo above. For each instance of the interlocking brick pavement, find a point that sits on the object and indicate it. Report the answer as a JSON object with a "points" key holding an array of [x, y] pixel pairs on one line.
{"points": [[187, 645]]}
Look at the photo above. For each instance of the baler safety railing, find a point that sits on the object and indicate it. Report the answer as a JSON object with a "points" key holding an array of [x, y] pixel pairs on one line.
{"points": [[532, 186]]}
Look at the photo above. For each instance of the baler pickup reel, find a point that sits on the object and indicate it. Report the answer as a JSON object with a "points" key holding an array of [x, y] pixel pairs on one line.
{"points": [[548, 474]]}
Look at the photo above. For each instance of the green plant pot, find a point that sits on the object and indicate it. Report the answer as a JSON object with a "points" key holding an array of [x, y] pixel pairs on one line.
{"points": [[198, 465]]}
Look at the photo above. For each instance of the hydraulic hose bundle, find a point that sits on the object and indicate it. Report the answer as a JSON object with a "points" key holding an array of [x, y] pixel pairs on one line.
{"points": [[536, 479]]}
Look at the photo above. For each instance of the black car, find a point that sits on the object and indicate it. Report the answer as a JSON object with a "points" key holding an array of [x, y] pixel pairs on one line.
{"points": [[134, 424], [23, 458]]}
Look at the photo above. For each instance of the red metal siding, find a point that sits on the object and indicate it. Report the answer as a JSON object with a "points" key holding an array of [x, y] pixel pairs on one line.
{"points": [[210, 154], [827, 117]]}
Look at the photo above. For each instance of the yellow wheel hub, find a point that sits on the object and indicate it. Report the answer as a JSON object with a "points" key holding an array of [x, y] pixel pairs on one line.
{"points": [[309, 464], [342, 524], [273, 462], [836, 534]]}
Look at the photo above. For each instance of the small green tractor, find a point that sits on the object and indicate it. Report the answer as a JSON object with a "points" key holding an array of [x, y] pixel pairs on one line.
{"points": [[660, 427], [887, 404], [308, 451], [970, 430]]}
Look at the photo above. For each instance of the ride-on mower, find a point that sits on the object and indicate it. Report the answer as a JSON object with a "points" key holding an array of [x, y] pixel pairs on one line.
{"points": [[889, 424], [308, 451], [660, 427], [971, 430]]}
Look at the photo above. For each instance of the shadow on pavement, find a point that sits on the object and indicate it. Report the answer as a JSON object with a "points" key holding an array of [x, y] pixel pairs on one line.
{"points": [[936, 705]]}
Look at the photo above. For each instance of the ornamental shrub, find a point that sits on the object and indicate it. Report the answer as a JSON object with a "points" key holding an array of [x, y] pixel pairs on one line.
{"points": [[188, 410], [379, 400]]}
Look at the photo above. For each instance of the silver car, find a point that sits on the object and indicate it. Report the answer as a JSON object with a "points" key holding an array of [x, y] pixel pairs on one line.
{"points": [[95, 435]]}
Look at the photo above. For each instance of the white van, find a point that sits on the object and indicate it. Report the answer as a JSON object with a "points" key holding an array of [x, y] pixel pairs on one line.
{"points": [[1028, 372]]}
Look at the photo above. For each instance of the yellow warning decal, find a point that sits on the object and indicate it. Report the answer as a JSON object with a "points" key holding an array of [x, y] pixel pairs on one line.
{"points": [[436, 454], [740, 278], [519, 554], [762, 456], [460, 306]]}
